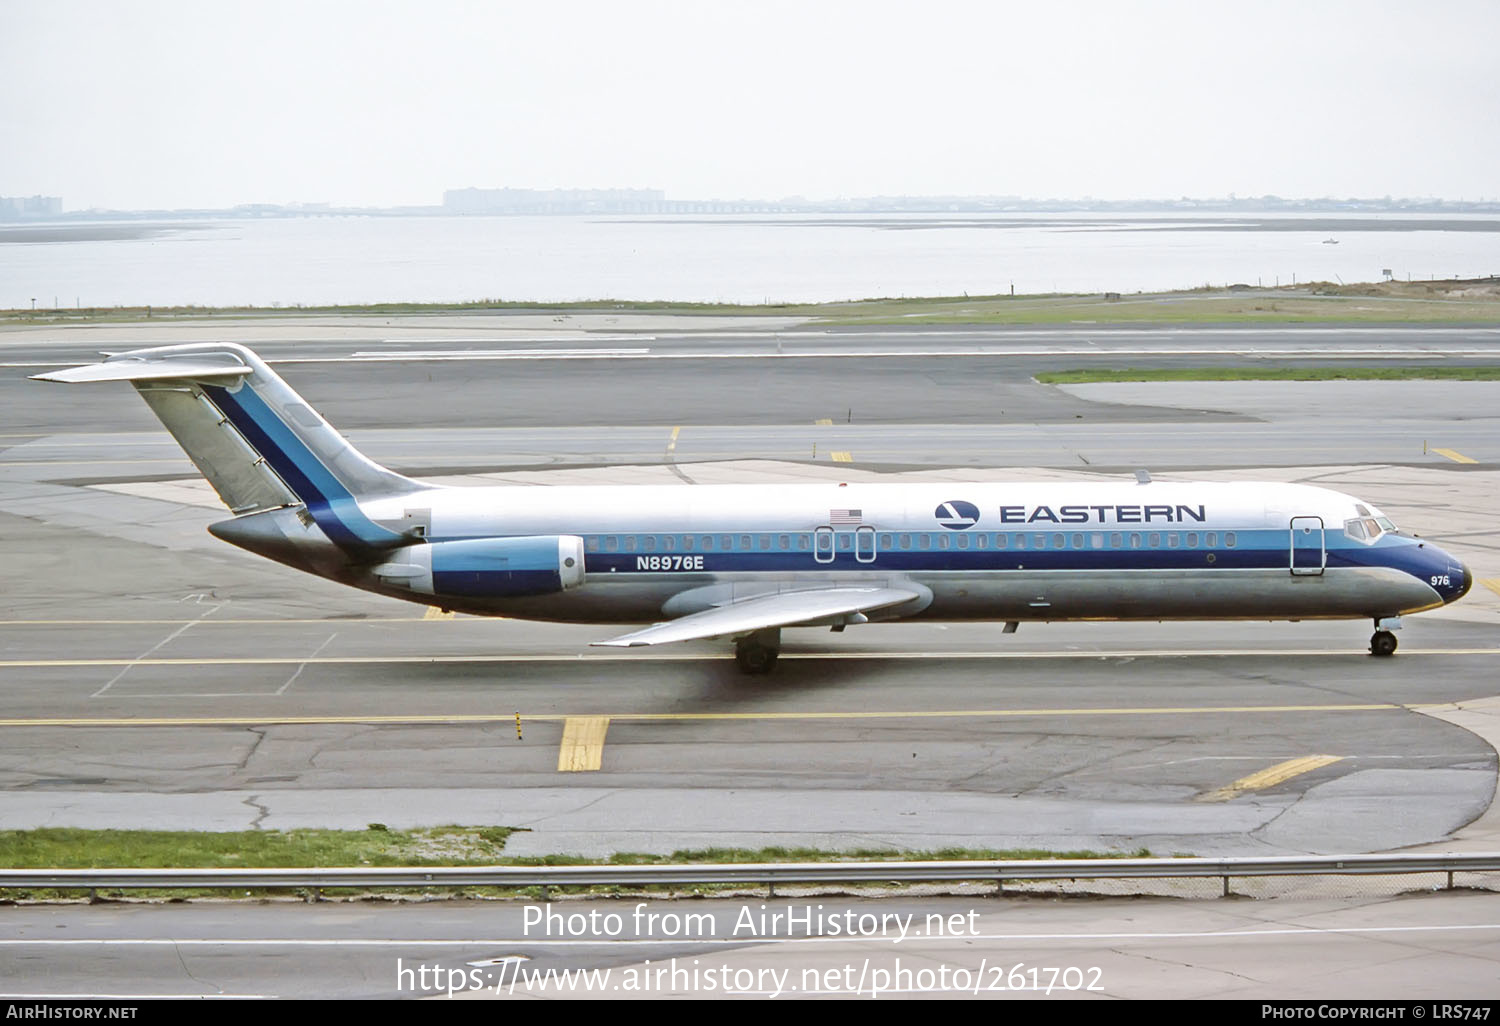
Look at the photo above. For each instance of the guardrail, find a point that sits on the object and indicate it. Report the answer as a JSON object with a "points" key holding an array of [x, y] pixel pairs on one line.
{"points": [[767, 874]]}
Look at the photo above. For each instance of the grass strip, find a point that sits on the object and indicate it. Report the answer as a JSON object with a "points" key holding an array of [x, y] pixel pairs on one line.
{"points": [[69, 848], [1314, 303], [1086, 376]]}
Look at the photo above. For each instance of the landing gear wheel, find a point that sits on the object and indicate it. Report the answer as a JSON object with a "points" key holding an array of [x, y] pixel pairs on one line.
{"points": [[756, 654], [1382, 643]]}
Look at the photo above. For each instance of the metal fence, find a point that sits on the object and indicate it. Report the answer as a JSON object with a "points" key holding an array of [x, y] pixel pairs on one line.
{"points": [[768, 875]]}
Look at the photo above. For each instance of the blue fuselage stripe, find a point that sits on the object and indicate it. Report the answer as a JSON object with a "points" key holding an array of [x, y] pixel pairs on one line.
{"points": [[330, 503]]}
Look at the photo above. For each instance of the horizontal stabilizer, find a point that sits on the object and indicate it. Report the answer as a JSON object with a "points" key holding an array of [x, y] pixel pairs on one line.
{"points": [[783, 609], [198, 368]]}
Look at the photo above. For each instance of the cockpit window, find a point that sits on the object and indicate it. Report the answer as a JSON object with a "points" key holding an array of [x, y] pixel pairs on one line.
{"points": [[1367, 529]]}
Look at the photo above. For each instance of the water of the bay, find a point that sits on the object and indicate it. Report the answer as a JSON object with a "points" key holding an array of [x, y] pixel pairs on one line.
{"points": [[710, 258]]}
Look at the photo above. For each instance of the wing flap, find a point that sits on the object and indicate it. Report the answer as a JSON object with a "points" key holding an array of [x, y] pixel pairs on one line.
{"points": [[783, 609]]}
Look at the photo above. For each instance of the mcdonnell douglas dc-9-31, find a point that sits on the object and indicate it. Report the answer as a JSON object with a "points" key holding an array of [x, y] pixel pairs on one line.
{"points": [[742, 562]]}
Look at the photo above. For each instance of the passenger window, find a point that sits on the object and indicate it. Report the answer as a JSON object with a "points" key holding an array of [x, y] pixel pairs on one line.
{"points": [[1155, 541], [669, 543], [591, 545], [1058, 541], [650, 543], [687, 542], [765, 542], [1229, 539], [1173, 540], [630, 543], [784, 541], [708, 543], [1211, 539], [611, 544], [924, 541], [1078, 541], [1115, 540], [1039, 541], [885, 541], [963, 541], [1135, 541], [1192, 539], [844, 540], [906, 541], [943, 541], [745, 543], [1020, 541], [803, 542]]}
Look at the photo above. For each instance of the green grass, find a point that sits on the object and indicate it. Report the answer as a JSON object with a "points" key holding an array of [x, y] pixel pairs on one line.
{"points": [[66, 848], [1086, 376], [1318, 303]]}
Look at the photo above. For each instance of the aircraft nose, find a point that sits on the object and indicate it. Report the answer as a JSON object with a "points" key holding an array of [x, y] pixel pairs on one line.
{"points": [[1468, 583]]}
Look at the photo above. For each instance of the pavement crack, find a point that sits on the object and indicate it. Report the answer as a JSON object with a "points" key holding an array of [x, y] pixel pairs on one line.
{"points": [[177, 949], [262, 810], [1123, 953], [260, 736]]}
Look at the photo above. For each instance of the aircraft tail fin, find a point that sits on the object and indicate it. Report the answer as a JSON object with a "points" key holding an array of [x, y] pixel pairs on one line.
{"points": [[256, 440]]}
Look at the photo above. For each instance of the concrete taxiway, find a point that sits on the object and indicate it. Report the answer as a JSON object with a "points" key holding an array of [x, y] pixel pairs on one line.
{"points": [[154, 676]]}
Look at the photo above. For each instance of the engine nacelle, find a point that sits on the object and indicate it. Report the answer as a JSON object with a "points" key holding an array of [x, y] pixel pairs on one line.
{"points": [[488, 567]]}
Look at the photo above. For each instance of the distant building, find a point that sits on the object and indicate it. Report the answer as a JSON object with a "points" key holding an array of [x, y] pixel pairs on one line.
{"points": [[553, 201], [24, 208]]}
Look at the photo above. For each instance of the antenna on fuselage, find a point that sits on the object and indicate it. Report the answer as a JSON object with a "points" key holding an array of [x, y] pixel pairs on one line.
{"points": [[1143, 477]]}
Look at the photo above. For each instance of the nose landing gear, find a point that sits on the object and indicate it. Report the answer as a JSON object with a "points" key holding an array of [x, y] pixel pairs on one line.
{"points": [[1382, 643]]}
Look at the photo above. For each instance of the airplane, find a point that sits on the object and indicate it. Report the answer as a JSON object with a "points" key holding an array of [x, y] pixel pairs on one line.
{"points": [[742, 562]]}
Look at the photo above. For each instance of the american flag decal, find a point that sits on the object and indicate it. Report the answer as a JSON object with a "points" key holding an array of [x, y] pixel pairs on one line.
{"points": [[845, 516]]}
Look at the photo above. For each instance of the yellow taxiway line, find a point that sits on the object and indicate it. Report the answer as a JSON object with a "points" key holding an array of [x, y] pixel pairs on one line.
{"points": [[696, 657], [1456, 457], [839, 456], [1492, 583], [670, 717], [1271, 776], [582, 744]]}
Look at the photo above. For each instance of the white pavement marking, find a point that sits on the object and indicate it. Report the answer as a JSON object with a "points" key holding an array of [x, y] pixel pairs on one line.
{"points": [[113, 680]]}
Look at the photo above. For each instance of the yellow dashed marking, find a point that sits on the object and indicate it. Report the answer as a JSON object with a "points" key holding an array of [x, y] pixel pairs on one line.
{"points": [[434, 613], [824, 422], [1492, 583], [1271, 776], [672, 442], [1456, 457], [840, 456], [582, 744]]}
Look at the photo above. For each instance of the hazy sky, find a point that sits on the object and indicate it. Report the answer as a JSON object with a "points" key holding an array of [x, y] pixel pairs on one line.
{"points": [[154, 103]]}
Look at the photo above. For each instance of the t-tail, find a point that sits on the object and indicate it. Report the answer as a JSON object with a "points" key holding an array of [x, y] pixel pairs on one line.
{"points": [[273, 460]]}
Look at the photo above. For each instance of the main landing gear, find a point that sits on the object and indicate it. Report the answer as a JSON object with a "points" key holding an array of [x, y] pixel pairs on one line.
{"points": [[756, 653], [1382, 643]]}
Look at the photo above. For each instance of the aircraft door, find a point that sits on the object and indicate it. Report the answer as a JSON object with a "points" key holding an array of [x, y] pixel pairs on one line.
{"points": [[1308, 554], [864, 544], [823, 545]]}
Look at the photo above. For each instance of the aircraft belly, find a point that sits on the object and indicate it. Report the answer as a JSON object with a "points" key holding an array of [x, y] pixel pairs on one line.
{"points": [[1273, 594]]}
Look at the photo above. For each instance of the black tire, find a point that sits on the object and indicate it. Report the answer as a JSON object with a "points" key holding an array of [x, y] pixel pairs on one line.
{"points": [[1382, 643], [755, 658]]}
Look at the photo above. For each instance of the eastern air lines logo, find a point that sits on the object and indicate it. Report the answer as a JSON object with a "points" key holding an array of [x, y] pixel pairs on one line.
{"points": [[957, 514]]}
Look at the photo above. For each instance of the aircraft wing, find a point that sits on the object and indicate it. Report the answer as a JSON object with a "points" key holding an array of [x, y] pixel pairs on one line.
{"points": [[783, 609]]}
